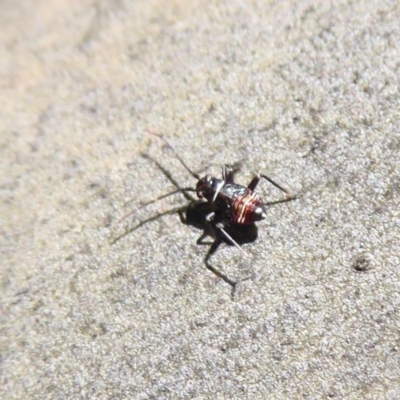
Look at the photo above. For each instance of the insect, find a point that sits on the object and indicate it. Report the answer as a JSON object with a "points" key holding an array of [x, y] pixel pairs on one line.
{"points": [[231, 207]]}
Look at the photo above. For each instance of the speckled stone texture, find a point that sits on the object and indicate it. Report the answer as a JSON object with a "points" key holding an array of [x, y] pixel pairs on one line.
{"points": [[304, 91]]}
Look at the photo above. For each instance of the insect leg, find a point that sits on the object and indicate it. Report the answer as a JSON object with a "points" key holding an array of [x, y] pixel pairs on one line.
{"points": [[144, 222], [179, 190], [221, 228], [218, 273], [215, 271], [254, 182], [228, 172]]}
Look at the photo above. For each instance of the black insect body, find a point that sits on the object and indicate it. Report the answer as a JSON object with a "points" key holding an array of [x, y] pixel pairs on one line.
{"points": [[231, 206], [237, 203], [195, 215]]}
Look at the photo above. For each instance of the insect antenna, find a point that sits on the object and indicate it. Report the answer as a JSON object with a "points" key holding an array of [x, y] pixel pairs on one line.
{"points": [[197, 176], [180, 190]]}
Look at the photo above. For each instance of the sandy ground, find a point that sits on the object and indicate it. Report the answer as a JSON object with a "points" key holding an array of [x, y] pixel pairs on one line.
{"points": [[304, 91]]}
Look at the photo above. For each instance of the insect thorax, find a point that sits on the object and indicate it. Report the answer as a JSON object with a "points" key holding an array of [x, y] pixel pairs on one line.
{"points": [[225, 200]]}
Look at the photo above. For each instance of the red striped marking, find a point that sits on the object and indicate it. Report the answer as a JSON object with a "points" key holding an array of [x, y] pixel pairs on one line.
{"points": [[243, 206]]}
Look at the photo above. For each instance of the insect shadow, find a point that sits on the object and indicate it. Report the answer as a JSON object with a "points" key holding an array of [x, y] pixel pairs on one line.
{"points": [[194, 214]]}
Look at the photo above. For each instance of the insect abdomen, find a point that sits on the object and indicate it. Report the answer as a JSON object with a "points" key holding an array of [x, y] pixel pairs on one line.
{"points": [[247, 208]]}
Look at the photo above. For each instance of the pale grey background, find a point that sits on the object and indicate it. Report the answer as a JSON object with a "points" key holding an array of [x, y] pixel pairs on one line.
{"points": [[305, 91]]}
